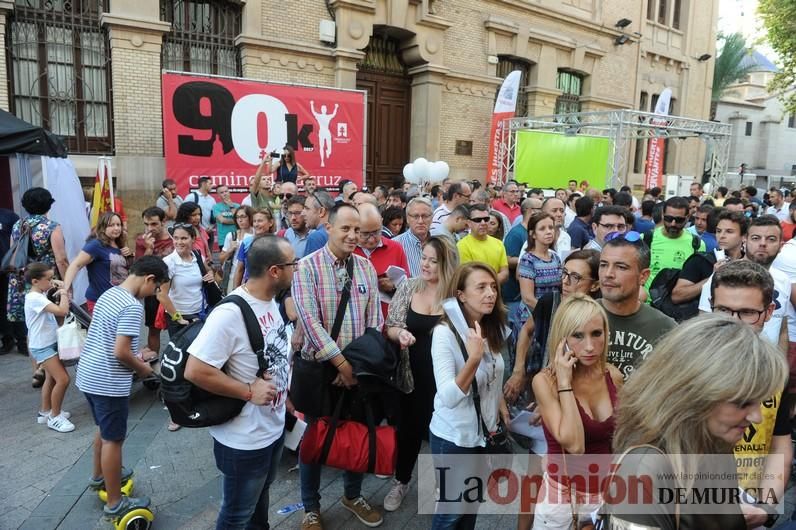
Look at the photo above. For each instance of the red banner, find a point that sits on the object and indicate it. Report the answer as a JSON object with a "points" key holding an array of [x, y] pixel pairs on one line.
{"points": [[222, 128], [654, 169]]}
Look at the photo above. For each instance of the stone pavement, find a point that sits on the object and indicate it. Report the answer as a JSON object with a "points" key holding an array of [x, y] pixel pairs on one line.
{"points": [[45, 472]]}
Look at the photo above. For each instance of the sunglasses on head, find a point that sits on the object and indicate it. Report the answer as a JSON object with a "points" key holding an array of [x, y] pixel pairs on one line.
{"points": [[285, 195], [674, 219], [630, 237]]}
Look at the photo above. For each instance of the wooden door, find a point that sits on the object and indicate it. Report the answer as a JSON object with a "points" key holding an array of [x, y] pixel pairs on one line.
{"points": [[388, 126]]}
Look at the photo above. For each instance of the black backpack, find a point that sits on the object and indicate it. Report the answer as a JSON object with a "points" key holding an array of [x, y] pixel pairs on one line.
{"points": [[21, 253], [662, 286], [189, 405]]}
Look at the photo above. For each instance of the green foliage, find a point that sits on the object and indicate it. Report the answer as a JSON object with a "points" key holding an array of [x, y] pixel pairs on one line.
{"points": [[728, 69], [779, 19]]}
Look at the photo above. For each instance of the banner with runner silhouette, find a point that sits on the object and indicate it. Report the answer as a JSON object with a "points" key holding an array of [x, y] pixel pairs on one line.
{"points": [[222, 128]]}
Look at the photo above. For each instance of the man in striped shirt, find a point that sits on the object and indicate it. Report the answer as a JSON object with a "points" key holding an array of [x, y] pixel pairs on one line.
{"points": [[105, 373], [418, 217], [317, 289]]}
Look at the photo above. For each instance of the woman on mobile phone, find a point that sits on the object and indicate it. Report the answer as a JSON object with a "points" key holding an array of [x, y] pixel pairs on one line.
{"points": [[285, 168], [576, 396]]}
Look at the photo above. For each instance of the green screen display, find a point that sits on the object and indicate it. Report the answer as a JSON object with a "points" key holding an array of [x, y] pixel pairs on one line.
{"points": [[550, 160]]}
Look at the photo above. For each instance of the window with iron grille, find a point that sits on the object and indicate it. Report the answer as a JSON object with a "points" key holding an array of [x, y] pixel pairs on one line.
{"points": [[202, 36], [60, 66], [571, 86], [505, 66], [792, 120]]}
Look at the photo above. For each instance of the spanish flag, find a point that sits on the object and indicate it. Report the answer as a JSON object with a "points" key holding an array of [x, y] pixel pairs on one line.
{"points": [[103, 193]]}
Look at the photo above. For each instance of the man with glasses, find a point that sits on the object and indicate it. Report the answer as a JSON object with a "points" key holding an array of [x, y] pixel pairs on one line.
{"points": [[224, 213], [458, 194], [298, 232], [381, 251], [418, 217], [316, 214], [744, 290], [635, 326], [479, 246], [670, 245], [509, 205], [607, 220], [317, 288], [248, 448]]}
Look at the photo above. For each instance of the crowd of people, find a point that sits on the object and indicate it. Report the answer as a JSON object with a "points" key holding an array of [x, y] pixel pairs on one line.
{"points": [[619, 321]]}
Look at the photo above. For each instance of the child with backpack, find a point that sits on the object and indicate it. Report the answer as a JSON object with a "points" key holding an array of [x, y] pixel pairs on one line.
{"points": [[105, 374], [40, 315]]}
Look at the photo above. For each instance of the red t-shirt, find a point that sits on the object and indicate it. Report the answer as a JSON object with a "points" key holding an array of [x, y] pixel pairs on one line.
{"points": [[512, 212], [389, 253], [787, 231], [162, 247]]}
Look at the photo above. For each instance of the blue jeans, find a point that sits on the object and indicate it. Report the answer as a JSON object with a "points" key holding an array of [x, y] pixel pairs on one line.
{"points": [[310, 476], [454, 484], [247, 477]]}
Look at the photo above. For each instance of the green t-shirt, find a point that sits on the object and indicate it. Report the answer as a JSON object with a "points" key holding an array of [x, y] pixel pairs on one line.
{"points": [[667, 253], [221, 210]]}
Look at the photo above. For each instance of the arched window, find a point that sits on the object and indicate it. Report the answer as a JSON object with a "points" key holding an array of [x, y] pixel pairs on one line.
{"points": [[59, 58], [505, 66], [202, 36]]}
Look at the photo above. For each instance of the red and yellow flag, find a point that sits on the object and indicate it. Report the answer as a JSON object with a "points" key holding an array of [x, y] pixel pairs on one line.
{"points": [[103, 193]]}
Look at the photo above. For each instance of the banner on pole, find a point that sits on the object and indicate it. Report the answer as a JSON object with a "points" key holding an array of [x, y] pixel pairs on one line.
{"points": [[656, 146], [222, 128], [505, 107]]}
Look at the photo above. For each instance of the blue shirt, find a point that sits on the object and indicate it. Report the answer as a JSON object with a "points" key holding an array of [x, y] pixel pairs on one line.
{"points": [[99, 372], [413, 250], [710, 241], [221, 210], [298, 242], [580, 233], [107, 268], [516, 237], [316, 241], [642, 226]]}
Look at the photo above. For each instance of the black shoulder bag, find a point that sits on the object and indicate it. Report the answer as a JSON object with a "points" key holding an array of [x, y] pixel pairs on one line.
{"points": [[498, 442], [309, 386], [211, 290]]}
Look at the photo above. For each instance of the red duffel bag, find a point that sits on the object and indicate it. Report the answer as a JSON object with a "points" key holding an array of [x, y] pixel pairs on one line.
{"points": [[350, 445]]}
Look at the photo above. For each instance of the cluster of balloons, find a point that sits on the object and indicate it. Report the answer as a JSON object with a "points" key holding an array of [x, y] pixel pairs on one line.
{"points": [[421, 171]]}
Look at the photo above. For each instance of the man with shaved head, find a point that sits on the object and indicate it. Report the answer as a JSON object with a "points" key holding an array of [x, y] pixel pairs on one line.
{"points": [[363, 197], [381, 252]]}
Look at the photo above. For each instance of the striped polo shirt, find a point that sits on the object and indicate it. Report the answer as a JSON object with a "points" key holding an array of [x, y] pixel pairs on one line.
{"points": [[99, 371]]}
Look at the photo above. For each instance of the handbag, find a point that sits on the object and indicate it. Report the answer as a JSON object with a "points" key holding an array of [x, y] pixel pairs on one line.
{"points": [[161, 321], [309, 385], [499, 441], [350, 445], [211, 291], [21, 252], [71, 337]]}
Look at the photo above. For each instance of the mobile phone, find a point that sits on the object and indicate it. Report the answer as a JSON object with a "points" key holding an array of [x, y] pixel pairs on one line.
{"points": [[567, 349], [720, 254]]}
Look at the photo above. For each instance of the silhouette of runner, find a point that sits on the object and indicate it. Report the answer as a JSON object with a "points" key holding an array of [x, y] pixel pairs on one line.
{"points": [[324, 134]]}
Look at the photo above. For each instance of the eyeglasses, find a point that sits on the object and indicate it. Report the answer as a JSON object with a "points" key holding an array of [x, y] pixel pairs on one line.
{"points": [[424, 217], [617, 227], [288, 264], [244, 216], [573, 278], [367, 235], [466, 196], [750, 316], [674, 219], [630, 237], [300, 212], [478, 220]]}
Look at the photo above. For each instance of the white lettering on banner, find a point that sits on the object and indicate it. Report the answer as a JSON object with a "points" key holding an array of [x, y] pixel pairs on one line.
{"points": [[244, 126]]}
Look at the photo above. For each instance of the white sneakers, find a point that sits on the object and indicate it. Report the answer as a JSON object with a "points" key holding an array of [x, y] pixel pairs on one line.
{"points": [[58, 423], [394, 498]]}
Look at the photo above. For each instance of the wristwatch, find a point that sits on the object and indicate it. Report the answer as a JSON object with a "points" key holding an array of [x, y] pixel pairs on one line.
{"points": [[176, 316]]}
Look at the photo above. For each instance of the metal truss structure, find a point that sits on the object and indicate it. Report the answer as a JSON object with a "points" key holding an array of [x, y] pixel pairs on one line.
{"points": [[622, 127]]}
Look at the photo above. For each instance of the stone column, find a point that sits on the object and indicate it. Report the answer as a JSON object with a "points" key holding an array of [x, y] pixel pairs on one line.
{"points": [[427, 82]]}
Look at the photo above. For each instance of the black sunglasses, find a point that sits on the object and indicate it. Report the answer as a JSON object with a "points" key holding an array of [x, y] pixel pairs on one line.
{"points": [[674, 219], [480, 219]]}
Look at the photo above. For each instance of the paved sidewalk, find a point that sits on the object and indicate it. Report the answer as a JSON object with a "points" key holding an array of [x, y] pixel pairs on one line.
{"points": [[45, 472]]}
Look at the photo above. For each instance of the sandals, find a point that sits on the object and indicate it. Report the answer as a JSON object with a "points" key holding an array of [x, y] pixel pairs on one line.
{"points": [[38, 378], [173, 426]]}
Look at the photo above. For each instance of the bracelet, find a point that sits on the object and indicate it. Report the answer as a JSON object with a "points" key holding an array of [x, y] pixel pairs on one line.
{"points": [[564, 390], [249, 395], [176, 316], [341, 363]]}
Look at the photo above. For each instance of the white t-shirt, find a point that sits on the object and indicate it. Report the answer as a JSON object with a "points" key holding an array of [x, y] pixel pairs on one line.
{"points": [[228, 242], [206, 202], [781, 302], [223, 341], [786, 263], [42, 326], [186, 283]]}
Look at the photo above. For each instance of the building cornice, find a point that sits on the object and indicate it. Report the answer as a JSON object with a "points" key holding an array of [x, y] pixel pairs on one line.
{"points": [[546, 12], [135, 23], [283, 45]]}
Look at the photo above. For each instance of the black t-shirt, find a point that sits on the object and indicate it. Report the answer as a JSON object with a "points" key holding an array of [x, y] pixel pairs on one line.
{"points": [[7, 220], [698, 267]]}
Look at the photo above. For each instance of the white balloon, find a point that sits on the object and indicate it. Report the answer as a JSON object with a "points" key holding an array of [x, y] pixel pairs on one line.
{"points": [[439, 170], [409, 171], [421, 168]]}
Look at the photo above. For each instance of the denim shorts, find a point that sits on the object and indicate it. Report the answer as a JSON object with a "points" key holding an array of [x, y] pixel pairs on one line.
{"points": [[42, 354], [110, 415]]}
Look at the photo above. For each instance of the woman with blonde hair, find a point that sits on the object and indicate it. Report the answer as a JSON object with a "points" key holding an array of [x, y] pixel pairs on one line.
{"points": [[414, 310], [696, 394], [576, 396]]}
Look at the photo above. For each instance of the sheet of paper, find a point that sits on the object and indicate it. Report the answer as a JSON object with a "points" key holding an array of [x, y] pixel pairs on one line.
{"points": [[520, 425], [395, 274], [292, 438]]}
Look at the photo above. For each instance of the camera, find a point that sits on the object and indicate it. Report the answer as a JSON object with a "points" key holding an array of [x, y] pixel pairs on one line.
{"points": [[275, 154]]}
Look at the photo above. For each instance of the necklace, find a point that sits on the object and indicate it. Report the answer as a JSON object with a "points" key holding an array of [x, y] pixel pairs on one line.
{"points": [[246, 288]]}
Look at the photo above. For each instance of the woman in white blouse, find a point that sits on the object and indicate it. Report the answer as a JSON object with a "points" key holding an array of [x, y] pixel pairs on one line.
{"points": [[474, 312]]}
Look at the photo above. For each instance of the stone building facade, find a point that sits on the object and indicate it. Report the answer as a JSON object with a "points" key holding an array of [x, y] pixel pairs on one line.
{"points": [[431, 67]]}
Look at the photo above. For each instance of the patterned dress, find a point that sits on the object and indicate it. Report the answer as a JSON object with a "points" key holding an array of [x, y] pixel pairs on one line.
{"points": [[41, 229]]}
